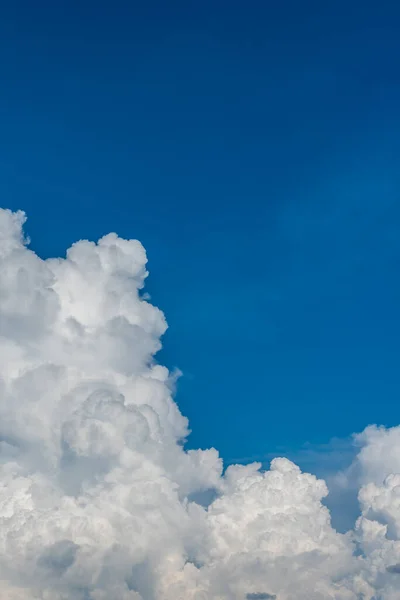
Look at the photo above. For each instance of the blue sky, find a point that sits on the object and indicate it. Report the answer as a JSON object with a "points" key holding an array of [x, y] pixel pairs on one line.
{"points": [[254, 149]]}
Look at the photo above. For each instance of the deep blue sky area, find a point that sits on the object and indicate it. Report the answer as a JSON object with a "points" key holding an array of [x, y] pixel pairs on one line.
{"points": [[253, 147]]}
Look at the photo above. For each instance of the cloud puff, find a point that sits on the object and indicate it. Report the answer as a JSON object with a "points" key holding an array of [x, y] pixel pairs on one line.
{"points": [[99, 499]]}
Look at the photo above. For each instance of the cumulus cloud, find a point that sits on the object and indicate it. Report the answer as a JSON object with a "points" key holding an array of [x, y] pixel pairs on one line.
{"points": [[98, 497]]}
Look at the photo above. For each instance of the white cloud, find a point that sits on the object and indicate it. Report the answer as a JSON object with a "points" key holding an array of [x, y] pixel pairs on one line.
{"points": [[99, 500]]}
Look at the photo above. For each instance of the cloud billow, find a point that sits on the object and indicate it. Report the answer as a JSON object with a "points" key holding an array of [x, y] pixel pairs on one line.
{"points": [[99, 499]]}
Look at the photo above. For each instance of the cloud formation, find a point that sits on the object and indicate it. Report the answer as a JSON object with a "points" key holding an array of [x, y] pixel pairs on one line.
{"points": [[98, 497]]}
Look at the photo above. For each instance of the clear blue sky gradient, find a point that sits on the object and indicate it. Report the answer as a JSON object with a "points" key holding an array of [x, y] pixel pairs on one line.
{"points": [[253, 147]]}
